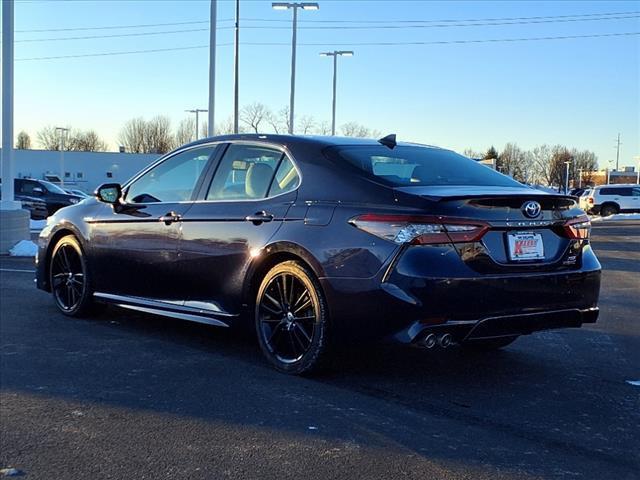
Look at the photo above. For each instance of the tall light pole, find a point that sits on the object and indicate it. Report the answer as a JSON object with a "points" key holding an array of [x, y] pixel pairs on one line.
{"points": [[294, 6], [335, 54], [213, 24], [8, 202], [236, 70], [197, 112], [63, 133], [618, 153], [566, 178]]}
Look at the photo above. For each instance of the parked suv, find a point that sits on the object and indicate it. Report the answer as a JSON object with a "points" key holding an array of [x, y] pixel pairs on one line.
{"points": [[54, 196], [37, 208], [611, 199]]}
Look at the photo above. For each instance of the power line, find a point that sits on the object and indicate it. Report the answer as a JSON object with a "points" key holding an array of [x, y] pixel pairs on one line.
{"points": [[444, 42], [450, 19], [113, 27], [118, 35], [449, 25], [196, 22], [165, 32]]}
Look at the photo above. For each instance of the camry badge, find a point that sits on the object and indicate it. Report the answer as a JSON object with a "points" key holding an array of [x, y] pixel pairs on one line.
{"points": [[531, 209]]}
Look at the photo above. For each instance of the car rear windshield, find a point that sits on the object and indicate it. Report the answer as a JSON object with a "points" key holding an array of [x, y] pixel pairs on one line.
{"points": [[417, 166]]}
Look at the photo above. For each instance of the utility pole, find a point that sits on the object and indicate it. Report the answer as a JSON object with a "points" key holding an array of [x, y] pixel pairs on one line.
{"points": [[213, 25], [236, 70], [580, 177], [197, 112], [618, 153], [8, 201], [566, 178], [63, 133]]}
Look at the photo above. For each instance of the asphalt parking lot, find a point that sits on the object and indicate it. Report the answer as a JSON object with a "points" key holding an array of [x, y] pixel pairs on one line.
{"points": [[128, 395]]}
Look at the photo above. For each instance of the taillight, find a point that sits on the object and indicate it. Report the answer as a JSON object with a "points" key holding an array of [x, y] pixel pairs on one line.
{"points": [[590, 200], [578, 228], [420, 230]]}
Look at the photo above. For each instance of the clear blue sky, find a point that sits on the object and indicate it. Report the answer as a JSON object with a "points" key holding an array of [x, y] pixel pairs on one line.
{"points": [[578, 92]]}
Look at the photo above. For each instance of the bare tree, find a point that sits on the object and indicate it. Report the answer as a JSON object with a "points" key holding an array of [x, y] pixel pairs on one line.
{"points": [[354, 129], [48, 138], [253, 114], [306, 124], [514, 162], [585, 164], [285, 119], [23, 141], [185, 132], [132, 135], [324, 128], [158, 137], [85, 141], [470, 153], [204, 129]]}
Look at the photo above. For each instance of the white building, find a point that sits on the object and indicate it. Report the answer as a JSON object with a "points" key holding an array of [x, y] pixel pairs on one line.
{"points": [[82, 170]]}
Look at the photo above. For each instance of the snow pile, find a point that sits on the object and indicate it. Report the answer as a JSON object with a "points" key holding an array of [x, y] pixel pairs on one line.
{"points": [[617, 217], [37, 225], [24, 248]]}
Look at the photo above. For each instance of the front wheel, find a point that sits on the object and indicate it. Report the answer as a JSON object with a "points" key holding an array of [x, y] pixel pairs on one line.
{"points": [[291, 319], [68, 278]]}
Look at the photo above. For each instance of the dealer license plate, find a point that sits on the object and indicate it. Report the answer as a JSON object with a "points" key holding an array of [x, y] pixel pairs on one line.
{"points": [[525, 246]]}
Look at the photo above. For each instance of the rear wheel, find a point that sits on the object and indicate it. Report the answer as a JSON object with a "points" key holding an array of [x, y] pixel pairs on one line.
{"points": [[68, 278], [490, 343], [291, 319], [608, 209]]}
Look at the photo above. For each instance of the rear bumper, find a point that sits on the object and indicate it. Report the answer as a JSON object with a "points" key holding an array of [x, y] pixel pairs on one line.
{"points": [[405, 304]]}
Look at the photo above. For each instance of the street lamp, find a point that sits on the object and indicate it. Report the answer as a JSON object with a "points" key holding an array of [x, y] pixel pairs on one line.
{"points": [[335, 54], [566, 178], [294, 6], [197, 112]]}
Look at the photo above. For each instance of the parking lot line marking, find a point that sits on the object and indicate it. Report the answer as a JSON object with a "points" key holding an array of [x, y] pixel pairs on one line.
{"points": [[16, 270]]}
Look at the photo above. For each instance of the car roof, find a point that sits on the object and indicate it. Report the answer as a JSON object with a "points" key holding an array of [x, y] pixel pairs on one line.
{"points": [[299, 140], [617, 185]]}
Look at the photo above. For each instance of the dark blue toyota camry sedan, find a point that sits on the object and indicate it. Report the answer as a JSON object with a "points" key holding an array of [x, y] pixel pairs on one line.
{"points": [[315, 240]]}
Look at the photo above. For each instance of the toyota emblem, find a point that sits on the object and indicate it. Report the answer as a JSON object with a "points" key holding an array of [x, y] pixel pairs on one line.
{"points": [[531, 209]]}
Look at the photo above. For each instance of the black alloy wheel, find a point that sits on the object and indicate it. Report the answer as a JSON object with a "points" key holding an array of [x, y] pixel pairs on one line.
{"points": [[291, 319], [68, 277]]}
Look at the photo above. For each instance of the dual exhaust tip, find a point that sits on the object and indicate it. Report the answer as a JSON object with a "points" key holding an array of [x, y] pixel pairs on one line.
{"points": [[431, 340]]}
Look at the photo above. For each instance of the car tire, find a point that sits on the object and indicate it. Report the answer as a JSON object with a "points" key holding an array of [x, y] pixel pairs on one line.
{"points": [[69, 278], [489, 344], [292, 320], [609, 209]]}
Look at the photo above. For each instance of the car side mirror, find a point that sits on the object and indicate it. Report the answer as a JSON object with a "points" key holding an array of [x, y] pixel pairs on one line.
{"points": [[109, 193], [38, 190]]}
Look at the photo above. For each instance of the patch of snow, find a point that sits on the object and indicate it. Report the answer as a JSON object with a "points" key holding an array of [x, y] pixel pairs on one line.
{"points": [[24, 248], [37, 225], [10, 472], [617, 217], [635, 383]]}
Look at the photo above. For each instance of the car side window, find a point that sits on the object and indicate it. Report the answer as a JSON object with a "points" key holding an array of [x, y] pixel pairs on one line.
{"points": [[173, 180], [245, 172], [286, 178], [636, 192]]}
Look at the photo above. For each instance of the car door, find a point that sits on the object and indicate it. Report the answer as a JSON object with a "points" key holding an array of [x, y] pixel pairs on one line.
{"points": [[241, 208], [134, 245]]}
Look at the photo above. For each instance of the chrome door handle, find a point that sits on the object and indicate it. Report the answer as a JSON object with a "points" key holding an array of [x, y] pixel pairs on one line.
{"points": [[259, 217], [170, 218]]}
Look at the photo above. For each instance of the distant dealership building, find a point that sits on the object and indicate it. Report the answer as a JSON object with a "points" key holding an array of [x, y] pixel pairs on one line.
{"points": [[82, 170]]}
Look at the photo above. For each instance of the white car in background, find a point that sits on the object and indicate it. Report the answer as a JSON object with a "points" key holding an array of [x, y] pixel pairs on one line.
{"points": [[611, 199]]}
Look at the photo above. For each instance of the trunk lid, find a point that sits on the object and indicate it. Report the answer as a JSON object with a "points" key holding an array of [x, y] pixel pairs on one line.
{"points": [[520, 237]]}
